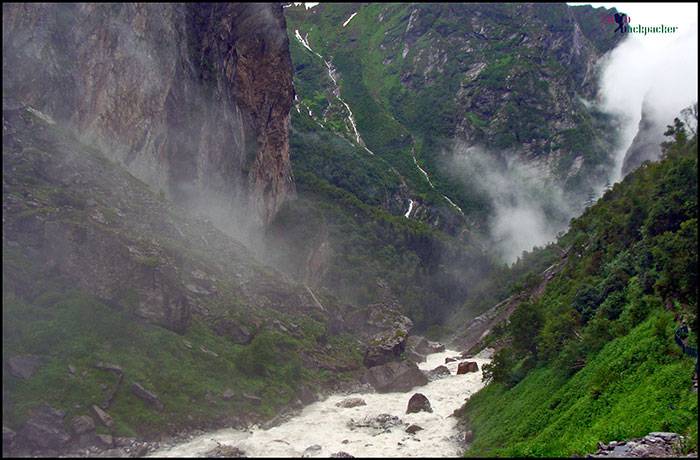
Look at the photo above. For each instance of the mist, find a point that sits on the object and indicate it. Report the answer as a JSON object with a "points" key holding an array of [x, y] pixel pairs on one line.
{"points": [[527, 208], [662, 71]]}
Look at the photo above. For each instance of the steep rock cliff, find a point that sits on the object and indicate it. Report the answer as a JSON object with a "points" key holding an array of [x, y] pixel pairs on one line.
{"points": [[194, 99]]}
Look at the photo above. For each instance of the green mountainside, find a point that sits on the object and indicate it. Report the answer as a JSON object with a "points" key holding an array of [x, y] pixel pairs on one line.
{"points": [[594, 358]]}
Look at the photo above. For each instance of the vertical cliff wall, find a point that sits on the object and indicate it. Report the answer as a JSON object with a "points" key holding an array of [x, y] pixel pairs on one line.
{"points": [[193, 98]]}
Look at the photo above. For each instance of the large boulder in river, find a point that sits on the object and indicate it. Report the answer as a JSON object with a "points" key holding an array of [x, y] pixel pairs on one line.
{"points": [[423, 346], [438, 373], [351, 402], [418, 403], [467, 366], [395, 376]]}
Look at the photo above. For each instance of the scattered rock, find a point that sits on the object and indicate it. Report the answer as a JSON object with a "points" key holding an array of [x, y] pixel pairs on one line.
{"points": [[124, 442], [381, 422], [44, 429], [486, 353], [110, 367], [103, 416], [105, 440], [147, 396], [450, 359], [307, 395], [468, 436], [224, 451], [312, 451], [228, 394], [345, 441], [209, 352], [413, 429], [655, 444], [82, 424], [467, 366], [24, 366], [438, 373], [8, 439], [341, 454], [351, 402], [255, 400], [418, 403], [187, 344], [71, 369], [395, 376]]}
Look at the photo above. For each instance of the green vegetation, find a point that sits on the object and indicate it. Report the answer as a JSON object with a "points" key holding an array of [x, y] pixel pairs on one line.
{"points": [[594, 358]]}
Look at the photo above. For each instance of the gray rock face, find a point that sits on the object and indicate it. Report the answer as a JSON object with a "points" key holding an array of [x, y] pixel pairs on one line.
{"points": [[45, 429], [418, 403], [646, 145], [24, 366], [424, 346], [351, 402], [147, 396], [385, 347], [395, 376], [415, 357], [126, 74]]}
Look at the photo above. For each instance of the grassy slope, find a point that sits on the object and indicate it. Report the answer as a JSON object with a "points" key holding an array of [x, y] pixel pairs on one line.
{"points": [[637, 384], [594, 358], [43, 315]]}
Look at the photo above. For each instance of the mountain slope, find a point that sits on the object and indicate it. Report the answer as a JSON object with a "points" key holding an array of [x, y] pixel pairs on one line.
{"points": [[426, 81], [593, 358], [98, 268]]}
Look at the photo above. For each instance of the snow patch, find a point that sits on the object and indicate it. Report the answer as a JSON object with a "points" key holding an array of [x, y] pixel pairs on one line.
{"points": [[348, 20]]}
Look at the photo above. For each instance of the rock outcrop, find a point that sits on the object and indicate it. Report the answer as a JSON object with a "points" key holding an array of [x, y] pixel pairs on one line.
{"points": [[192, 98], [646, 145]]}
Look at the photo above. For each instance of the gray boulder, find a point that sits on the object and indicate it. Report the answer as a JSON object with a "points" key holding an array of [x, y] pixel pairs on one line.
{"points": [[147, 396], [45, 429], [82, 424], [395, 376], [438, 373], [24, 366]]}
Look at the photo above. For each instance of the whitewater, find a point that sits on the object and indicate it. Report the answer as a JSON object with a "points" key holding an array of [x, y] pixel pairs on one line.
{"points": [[331, 429]]}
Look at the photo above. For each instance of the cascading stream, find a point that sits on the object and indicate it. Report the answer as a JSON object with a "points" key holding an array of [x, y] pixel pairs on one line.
{"points": [[334, 429]]}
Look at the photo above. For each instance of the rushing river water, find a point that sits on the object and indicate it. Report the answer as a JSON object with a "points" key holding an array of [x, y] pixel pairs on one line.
{"points": [[333, 429]]}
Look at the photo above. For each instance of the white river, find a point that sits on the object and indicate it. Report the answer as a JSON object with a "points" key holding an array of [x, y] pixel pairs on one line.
{"points": [[325, 425]]}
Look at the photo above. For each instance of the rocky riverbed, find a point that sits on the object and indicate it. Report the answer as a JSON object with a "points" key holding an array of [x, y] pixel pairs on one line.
{"points": [[370, 424]]}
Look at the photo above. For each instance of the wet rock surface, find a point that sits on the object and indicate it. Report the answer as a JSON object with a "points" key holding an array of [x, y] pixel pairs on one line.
{"points": [[351, 402], [467, 366], [417, 403], [393, 376], [653, 445]]}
